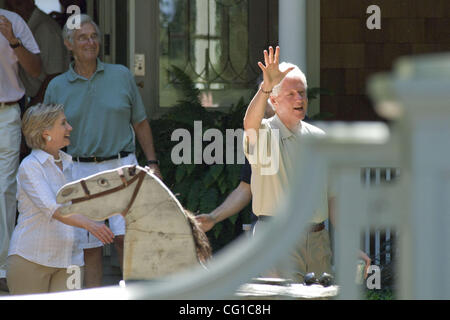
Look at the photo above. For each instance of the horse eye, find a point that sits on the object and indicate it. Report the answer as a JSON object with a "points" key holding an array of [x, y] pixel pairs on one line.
{"points": [[66, 192], [102, 182]]}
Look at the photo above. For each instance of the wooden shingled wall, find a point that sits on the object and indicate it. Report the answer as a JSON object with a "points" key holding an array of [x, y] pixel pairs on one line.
{"points": [[350, 52]]}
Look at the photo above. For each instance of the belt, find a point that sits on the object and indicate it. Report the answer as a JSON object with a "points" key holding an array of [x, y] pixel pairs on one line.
{"points": [[314, 227], [121, 154], [4, 104]]}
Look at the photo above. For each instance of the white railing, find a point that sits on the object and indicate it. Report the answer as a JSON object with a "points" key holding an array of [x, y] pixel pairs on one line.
{"points": [[378, 176]]}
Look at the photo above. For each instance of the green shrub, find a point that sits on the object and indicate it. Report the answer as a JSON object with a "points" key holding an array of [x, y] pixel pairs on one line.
{"points": [[386, 294]]}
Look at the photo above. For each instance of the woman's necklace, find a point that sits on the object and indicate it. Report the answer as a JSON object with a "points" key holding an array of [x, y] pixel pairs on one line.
{"points": [[58, 160]]}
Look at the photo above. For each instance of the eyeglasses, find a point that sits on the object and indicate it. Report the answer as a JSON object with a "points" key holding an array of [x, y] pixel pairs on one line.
{"points": [[85, 38]]}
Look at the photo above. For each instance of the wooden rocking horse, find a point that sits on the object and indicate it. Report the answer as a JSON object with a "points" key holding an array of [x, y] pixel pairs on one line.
{"points": [[161, 237]]}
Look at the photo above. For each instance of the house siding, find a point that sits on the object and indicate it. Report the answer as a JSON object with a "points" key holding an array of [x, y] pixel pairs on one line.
{"points": [[351, 53]]}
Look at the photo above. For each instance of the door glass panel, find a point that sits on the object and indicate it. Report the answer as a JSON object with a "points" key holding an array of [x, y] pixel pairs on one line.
{"points": [[217, 43]]}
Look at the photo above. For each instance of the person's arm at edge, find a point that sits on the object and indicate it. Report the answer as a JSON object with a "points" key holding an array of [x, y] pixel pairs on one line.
{"points": [[29, 61], [145, 137], [234, 203]]}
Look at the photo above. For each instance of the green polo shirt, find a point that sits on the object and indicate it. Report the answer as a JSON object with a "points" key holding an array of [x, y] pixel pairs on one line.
{"points": [[101, 110]]}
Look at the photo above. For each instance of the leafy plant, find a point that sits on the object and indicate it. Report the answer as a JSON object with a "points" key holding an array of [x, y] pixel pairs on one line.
{"points": [[386, 294], [313, 93]]}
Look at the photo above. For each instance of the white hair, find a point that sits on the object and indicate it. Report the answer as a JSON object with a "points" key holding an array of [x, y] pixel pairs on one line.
{"points": [[68, 32], [295, 73]]}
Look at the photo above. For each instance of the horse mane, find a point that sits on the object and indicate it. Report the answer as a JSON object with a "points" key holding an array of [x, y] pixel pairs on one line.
{"points": [[201, 241]]}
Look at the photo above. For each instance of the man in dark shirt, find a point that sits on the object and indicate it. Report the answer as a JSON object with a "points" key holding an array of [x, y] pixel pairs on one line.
{"points": [[238, 199]]}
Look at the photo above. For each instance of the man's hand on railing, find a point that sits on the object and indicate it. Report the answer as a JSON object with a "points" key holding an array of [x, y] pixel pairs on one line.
{"points": [[367, 261]]}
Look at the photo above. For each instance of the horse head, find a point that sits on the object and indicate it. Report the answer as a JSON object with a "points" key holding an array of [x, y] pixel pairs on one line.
{"points": [[101, 195], [161, 237]]}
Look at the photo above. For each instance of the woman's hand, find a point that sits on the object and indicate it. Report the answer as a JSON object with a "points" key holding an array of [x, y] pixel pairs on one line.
{"points": [[100, 231], [271, 72]]}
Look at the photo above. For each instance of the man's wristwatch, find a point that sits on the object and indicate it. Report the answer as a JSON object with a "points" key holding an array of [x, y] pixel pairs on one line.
{"points": [[16, 45], [150, 162]]}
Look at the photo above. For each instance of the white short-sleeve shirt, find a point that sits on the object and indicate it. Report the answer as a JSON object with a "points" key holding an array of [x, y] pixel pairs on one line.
{"points": [[38, 237], [11, 88], [54, 56]]}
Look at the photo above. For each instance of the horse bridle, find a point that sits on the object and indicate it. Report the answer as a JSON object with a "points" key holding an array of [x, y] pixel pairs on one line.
{"points": [[125, 183]]}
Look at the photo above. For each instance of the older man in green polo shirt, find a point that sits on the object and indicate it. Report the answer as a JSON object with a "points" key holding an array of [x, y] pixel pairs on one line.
{"points": [[104, 107]]}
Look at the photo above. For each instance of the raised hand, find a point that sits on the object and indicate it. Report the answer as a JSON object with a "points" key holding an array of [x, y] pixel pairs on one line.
{"points": [[271, 72], [6, 29]]}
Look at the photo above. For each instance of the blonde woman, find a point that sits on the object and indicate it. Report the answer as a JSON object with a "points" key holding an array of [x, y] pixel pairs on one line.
{"points": [[43, 244]]}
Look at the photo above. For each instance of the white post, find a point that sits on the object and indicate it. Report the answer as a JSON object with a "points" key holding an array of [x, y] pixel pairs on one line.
{"points": [[348, 225], [131, 33], [418, 91], [292, 32]]}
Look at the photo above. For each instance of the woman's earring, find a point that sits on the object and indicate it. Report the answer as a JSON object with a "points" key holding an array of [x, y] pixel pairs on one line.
{"points": [[49, 138]]}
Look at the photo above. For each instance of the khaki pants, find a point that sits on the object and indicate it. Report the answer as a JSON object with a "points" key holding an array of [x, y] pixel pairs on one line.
{"points": [[9, 162], [312, 254], [26, 277]]}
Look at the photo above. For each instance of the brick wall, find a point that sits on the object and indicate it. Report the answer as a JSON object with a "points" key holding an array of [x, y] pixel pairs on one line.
{"points": [[350, 52]]}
